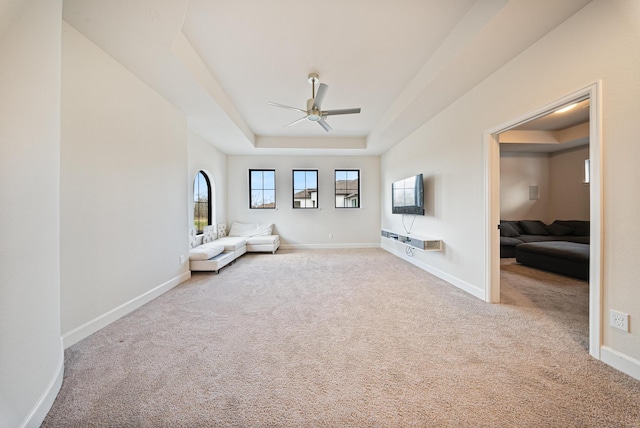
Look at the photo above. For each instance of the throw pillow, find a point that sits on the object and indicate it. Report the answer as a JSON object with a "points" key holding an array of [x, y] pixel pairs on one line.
{"points": [[507, 230], [559, 230], [222, 230], [209, 234], [534, 227], [192, 238]]}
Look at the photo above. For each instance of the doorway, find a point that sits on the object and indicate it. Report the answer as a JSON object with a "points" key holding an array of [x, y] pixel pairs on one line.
{"points": [[492, 197]]}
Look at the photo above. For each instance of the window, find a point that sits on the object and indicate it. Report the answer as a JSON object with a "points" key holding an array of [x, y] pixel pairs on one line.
{"points": [[262, 185], [201, 202], [305, 189], [587, 171], [347, 188]]}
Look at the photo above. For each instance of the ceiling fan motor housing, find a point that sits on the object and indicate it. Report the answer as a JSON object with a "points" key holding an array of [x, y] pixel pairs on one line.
{"points": [[312, 114]]}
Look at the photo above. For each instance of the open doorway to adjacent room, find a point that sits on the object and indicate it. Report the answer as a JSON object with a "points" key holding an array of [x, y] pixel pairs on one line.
{"points": [[544, 208]]}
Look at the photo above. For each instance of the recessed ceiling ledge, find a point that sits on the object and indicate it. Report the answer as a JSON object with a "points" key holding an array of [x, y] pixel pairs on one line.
{"points": [[265, 142], [185, 53]]}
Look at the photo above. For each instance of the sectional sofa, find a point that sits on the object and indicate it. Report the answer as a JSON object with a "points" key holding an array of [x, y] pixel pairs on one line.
{"points": [[560, 247], [214, 249]]}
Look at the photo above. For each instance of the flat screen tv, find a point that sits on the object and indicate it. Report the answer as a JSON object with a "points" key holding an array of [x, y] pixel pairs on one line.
{"points": [[408, 196]]}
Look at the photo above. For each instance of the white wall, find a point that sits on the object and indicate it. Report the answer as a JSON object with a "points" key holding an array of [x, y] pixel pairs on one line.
{"points": [[31, 362], [594, 44], [124, 191], [559, 177], [204, 157], [310, 227], [453, 195], [518, 171], [569, 194]]}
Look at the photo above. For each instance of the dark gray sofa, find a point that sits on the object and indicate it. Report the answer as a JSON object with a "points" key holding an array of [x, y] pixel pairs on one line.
{"points": [[563, 257], [561, 247], [513, 233]]}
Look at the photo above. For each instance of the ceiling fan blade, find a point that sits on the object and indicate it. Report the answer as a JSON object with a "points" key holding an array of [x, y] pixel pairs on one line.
{"points": [[296, 121], [287, 107], [324, 124], [341, 111], [322, 91]]}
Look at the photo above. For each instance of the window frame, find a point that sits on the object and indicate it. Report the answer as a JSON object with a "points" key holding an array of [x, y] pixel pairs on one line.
{"points": [[294, 189], [335, 188], [196, 203], [251, 189], [587, 171]]}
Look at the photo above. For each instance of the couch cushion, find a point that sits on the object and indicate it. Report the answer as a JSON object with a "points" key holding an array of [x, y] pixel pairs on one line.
{"points": [[578, 239], [231, 243], [580, 227], [505, 240], [515, 224], [534, 227], [541, 238], [507, 230], [263, 240], [214, 245], [559, 229], [560, 249], [566, 258], [250, 229], [205, 252]]}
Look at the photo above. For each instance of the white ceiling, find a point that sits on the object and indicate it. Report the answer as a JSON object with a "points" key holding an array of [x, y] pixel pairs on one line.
{"points": [[559, 120], [553, 132], [221, 61]]}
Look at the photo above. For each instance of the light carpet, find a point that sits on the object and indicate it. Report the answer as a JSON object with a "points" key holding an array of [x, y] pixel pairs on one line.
{"points": [[345, 338]]}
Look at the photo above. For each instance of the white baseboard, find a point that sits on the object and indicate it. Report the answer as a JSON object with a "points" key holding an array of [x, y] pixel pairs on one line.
{"points": [[42, 407], [327, 246], [457, 282], [103, 320], [620, 361]]}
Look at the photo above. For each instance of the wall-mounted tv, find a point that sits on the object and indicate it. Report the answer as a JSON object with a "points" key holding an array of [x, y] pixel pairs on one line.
{"points": [[408, 196]]}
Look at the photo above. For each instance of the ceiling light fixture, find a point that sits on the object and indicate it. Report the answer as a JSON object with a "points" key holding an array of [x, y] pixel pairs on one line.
{"points": [[314, 112], [567, 108]]}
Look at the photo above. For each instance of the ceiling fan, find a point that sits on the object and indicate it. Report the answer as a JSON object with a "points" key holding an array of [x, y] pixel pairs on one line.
{"points": [[314, 112]]}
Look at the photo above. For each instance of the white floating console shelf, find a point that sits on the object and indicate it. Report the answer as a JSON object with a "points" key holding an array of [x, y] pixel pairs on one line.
{"points": [[414, 241]]}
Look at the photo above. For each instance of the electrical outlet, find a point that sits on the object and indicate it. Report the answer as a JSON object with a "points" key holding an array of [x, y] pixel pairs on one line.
{"points": [[182, 260], [619, 320], [331, 236]]}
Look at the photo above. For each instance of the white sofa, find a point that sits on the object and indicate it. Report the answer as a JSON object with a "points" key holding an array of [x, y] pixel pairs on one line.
{"points": [[259, 237], [212, 250]]}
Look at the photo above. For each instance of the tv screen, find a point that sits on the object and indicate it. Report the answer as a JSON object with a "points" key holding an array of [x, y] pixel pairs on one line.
{"points": [[408, 196]]}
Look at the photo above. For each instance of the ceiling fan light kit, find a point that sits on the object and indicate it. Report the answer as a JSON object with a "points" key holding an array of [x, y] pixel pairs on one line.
{"points": [[314, 112]]}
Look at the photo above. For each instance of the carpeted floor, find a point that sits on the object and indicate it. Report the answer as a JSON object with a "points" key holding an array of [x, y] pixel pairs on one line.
{"points": [[346, 338]]}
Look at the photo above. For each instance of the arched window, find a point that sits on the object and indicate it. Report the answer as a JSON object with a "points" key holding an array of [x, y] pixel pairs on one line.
{"points": [[201, 202]]}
